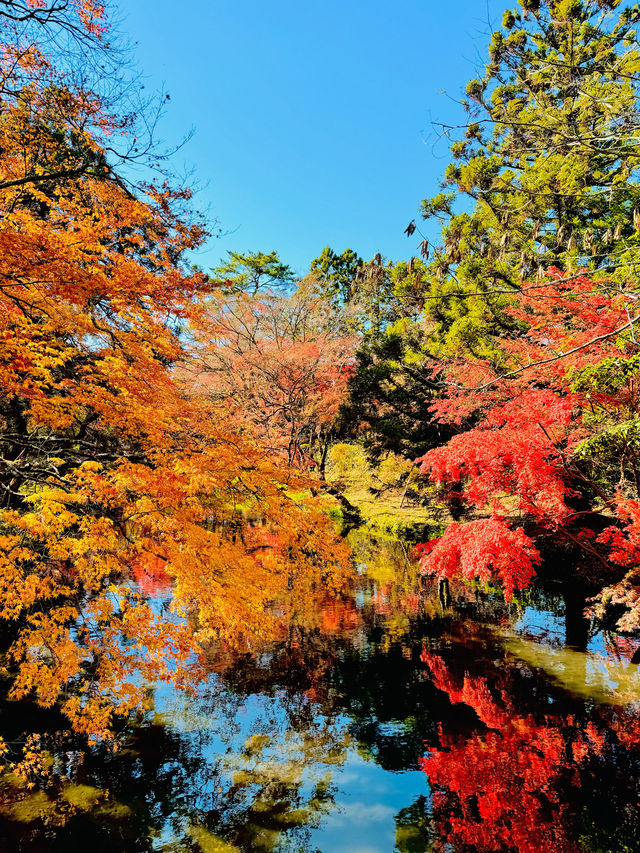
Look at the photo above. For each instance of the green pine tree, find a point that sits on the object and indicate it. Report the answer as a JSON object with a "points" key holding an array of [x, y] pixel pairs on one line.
{"points": [[546, 172]]}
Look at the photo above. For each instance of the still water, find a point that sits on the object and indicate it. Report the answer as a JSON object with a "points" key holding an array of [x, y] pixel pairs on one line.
{"points": [[392, 720]]}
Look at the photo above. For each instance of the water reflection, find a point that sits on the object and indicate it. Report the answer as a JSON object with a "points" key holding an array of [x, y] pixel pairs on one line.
{"points": [[379, 720], [541, 768]]}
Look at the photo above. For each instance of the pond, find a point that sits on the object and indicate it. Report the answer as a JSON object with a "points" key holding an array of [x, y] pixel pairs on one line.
{"points": [[394, 720]]}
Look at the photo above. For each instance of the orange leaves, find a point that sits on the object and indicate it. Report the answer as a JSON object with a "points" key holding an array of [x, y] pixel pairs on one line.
{"points": [[48, 655], [89, 10], [107, 466], [275, 366]]}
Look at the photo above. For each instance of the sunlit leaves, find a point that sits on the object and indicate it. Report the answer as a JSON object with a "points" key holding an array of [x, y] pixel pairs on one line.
{"points": [[555, 437], [107, 466]]}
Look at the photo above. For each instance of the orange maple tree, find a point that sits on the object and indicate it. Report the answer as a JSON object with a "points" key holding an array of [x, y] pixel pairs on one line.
{"points": [[108, 469]]}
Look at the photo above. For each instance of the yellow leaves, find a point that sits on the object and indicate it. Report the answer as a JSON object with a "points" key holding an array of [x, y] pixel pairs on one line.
{"points": [[208, 842], [90, 661], [227, 583], [48, 658], [90, 466]]}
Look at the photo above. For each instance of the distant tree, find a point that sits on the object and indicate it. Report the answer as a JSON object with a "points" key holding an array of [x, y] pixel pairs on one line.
{"points": [[393, 386], [252, 272], [391, 393], [337, 273], [278, 367], [367, 288]]}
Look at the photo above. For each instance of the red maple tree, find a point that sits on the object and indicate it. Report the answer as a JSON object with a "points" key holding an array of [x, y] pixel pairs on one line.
{"points": [[554, 444]]}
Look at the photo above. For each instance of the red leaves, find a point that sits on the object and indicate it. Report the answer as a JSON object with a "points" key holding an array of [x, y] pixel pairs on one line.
{"points": [[625, 542], [502, 788], [487, 549], [277, 366], [513, 453], [553, 421]]}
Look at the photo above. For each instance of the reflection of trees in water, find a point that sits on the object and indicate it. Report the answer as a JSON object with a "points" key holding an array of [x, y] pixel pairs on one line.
{"points": [[538, 771], [415, 831], [100, 800], [547, 768], [259, 786], [201, 771], [250, 759], [365, 664]]}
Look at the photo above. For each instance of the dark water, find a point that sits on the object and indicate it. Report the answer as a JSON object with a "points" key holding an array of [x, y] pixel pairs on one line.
{"points": [[389, 722]]}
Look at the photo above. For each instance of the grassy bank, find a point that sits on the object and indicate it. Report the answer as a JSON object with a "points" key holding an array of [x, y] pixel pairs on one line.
{"points": [[390, 497]]}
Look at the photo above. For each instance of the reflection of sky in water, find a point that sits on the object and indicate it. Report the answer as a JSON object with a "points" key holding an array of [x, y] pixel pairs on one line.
{"points": [[546, 626], [543, 625], [252, 752], [596, 672], [581, 673], [367, 797], [368, 800]]}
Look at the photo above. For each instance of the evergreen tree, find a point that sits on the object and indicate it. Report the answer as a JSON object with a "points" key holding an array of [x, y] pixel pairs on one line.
{"points": [[336, 273], [390, 395], [253, 271], [393, 387], [549, 161]]}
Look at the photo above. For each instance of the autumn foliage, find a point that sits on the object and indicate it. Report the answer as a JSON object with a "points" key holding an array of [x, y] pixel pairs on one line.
{"points": [[276, 365], [110, 470], [553, 446], [504, 786]]}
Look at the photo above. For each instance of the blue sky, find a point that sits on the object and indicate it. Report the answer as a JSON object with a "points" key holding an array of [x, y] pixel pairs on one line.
{"points": [[312, 120]]}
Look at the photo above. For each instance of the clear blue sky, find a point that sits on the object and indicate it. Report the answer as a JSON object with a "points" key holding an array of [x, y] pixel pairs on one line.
{"points": [[312, 119]]}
